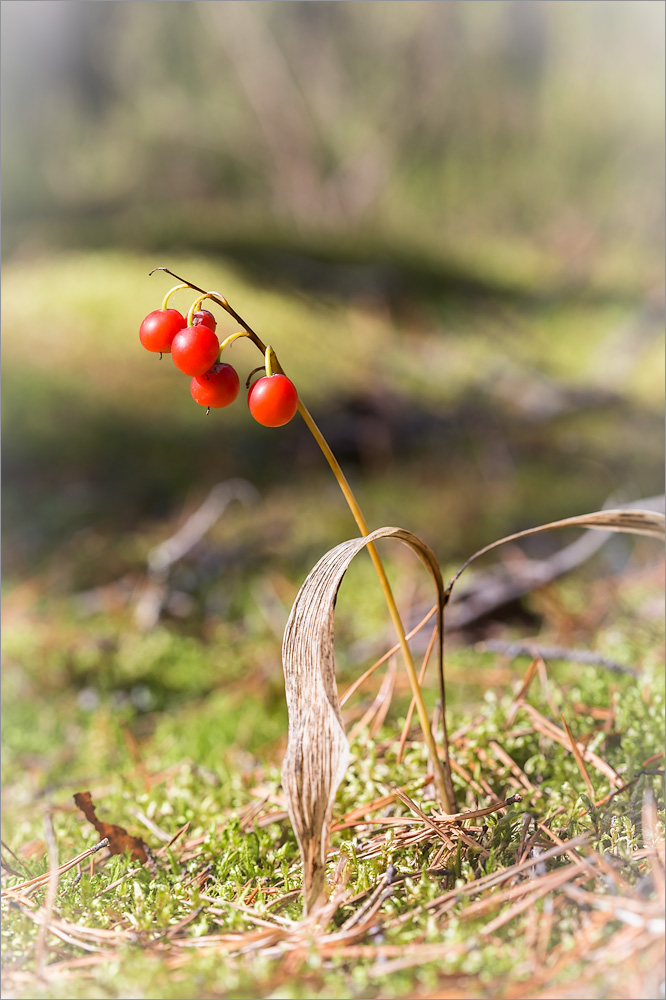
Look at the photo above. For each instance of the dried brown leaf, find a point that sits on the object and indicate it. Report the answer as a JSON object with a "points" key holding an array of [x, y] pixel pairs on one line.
{"points": [[119, 839], [318, 750], [630, 520], [579, 759]]}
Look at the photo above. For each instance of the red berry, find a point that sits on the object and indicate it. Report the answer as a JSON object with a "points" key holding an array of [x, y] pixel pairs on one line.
{"points": [[195, 349], [159, 328], [217, 388], [273, 400], [205, 317]]}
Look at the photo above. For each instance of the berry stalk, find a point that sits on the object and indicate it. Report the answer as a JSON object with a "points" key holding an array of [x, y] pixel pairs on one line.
{"points": [[441, 769]]}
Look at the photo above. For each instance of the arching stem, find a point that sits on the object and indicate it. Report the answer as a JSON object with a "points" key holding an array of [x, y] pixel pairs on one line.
{"points": [[230, 339], [176, 288], [441, 769]]}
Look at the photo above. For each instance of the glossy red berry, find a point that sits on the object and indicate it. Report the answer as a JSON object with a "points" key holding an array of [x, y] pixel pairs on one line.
{"points": [[217, 388], [205, 317], [159, 328], [195, 349], [273, 400]]}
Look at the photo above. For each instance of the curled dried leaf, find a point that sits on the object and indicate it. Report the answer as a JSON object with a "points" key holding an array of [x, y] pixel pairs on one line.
{"points": [[119, 839], [318, 750]]}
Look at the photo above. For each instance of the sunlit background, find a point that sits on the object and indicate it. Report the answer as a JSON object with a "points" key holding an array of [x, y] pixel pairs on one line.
{"points": [[448, 220]]}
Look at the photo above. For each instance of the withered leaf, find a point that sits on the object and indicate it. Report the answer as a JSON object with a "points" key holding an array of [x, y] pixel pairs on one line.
{"points": [[631, 520], [318, 750], [119, 839]]}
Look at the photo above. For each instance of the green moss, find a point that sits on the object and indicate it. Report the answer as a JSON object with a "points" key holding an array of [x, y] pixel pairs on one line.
{"points": [[186, 723]]}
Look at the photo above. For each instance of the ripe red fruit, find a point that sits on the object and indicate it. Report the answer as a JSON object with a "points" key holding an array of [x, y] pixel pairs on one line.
{"points": [[195, 349], [205, 317], [159, 328], [273, 400], [217, 387]]}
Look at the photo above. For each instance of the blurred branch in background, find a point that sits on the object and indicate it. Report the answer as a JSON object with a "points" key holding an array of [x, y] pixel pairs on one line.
{"points": [[162, 557], [277, 102]]}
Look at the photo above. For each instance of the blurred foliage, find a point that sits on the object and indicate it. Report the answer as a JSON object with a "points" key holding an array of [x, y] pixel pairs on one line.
{"points": [[486, 415], [447, 218], [482, 131]]}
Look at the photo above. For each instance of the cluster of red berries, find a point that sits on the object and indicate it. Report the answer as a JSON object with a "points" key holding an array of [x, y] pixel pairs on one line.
{"points": [[272, 399]]}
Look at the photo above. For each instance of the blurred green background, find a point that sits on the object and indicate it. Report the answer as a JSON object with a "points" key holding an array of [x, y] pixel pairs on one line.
{"points": [[448, 220]]}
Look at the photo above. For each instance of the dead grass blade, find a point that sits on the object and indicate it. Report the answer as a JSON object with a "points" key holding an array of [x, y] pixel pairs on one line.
{"points": [[51, 892], [7, 867], [579, 760], [654, 844], [508, 873], [645, 914], [632, 521], [530, 674], [477, 813], [538, 886], [405, 799], [318, 750], [40, 880], [375, 715], [508, 761], [358, 815], [553, 732], [412, 705], [353, 688], [177, 834]]}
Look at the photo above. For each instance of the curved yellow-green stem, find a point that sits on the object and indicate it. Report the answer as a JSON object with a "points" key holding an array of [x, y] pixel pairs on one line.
{"points": [[269, 357], [441, 770], [231, 338], [441, 775], [195, 305], [176, 288]]}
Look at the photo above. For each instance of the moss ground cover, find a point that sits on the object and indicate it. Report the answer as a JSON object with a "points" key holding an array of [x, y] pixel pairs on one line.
{"points": [[178, 730]]}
